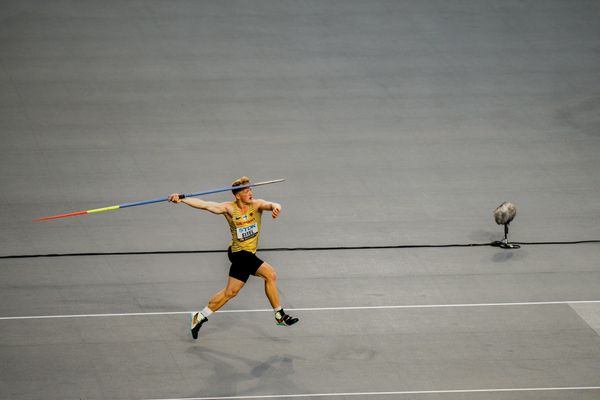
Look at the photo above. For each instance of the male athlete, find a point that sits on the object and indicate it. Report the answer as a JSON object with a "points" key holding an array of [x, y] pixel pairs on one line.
{"points": [[243, 215]]}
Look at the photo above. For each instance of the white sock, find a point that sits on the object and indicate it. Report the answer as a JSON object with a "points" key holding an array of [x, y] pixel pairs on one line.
{"points": [[278, 309], [206, 312]]}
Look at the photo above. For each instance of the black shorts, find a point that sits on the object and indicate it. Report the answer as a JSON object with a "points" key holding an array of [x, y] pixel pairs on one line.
{"points": [[243, 264]]}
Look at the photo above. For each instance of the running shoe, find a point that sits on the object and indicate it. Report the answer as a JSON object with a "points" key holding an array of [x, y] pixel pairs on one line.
{"points": [[283, 319], [196, 324]]}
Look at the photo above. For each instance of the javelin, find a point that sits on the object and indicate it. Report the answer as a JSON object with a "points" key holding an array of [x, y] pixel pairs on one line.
{"points": [[144, 202]]}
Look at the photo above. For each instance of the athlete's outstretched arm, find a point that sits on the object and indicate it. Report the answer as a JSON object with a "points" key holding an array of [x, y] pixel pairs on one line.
{"points": [[269, 206], [213, 207]]}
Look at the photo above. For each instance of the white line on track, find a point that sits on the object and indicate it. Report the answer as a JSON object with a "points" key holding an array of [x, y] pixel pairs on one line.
{"points": [[411, 392], [416, 306]]}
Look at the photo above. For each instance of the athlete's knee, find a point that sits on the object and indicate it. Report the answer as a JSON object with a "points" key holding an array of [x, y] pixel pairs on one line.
{"points": [[231, 292], [270, 275]]}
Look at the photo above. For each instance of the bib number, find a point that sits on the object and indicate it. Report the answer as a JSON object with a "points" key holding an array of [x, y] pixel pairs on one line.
{"points": [[247, 232]]}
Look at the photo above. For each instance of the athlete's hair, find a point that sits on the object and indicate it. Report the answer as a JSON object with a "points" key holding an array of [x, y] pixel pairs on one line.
{"points": [[244, 180]]}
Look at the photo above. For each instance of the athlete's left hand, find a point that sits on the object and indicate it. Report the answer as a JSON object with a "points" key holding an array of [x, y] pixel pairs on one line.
{"points": [[276, 210]]}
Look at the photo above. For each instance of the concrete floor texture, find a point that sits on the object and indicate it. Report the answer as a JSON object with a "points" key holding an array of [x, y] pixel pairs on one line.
{"points": [[399, 127]]}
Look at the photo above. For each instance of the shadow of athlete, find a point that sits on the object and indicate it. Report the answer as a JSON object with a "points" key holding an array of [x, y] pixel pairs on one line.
{"points": [[244, 218]]}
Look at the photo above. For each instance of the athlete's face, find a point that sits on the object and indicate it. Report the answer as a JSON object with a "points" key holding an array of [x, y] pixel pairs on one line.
{"points": [[244, 195]]}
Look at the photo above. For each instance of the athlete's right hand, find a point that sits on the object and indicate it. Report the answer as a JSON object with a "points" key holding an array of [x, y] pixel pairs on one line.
{"points": [[174, 198]]}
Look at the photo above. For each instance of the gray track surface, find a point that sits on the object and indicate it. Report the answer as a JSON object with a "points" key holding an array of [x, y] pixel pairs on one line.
{"points": [[393, 122]]}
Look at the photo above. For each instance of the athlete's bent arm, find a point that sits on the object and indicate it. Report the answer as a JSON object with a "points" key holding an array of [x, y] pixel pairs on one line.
{"points": [[213, 207], [269, 206]]}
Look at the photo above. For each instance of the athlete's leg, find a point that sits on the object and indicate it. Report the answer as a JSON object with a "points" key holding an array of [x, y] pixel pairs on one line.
{"points": [[267, 272], [227, 293], [217, 301]]}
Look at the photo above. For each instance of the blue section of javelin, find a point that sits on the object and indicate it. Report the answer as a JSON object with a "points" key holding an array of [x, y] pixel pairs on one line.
{"points": [[224, 189], [141, 203]]}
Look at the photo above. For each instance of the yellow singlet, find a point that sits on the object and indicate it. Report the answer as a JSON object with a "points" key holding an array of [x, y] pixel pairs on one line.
{"points": [[244, 229]]}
